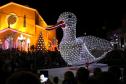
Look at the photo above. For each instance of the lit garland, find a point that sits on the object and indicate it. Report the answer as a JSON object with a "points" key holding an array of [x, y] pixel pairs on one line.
{"points": [[75, 50]]}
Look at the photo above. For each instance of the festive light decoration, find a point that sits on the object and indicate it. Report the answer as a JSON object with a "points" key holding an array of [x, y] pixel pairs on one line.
{"points": [[52, 46], [28, 43], [76, 51], [21, 38], [71, 48], [97, 43], [41, 45]]}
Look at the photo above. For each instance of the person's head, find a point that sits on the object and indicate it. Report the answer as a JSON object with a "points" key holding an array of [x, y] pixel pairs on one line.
{"points": [[97, 71], [56, 80], [115, 71], [69, 75], [23, 77], [82, 74]]}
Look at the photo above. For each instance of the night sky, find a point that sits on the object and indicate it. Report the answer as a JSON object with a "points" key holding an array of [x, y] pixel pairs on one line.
{"points": [[94, 18]]}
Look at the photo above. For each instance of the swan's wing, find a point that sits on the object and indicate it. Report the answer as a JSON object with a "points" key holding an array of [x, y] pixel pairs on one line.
{"points": [[95, 45], [93, 42], [86, 56]]}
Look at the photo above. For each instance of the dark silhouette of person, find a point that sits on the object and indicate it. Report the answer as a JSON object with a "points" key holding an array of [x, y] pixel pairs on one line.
{"points": [[96, 74], [56, 80], [69, 78], [23, 77], [82, 76]]}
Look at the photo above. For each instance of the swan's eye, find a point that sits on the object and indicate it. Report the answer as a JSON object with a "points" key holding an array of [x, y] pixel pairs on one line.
{"points": [[69, 16]]}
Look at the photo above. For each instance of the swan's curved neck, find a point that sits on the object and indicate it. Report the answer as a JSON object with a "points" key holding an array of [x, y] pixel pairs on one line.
{"points": [[69, 33]]}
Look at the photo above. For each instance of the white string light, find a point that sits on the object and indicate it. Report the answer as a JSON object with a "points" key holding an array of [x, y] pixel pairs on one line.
{"points": [[74, 50]]}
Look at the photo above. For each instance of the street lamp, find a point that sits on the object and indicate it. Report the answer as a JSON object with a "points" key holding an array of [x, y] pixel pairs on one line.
{"points": [[21, 39], [28, 42]]}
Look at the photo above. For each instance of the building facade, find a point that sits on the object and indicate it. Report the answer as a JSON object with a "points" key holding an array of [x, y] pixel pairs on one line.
{"points": [[20, 27]]}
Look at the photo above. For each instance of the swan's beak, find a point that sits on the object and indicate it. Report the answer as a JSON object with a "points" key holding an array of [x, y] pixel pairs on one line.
{"points": [[58, 25]]}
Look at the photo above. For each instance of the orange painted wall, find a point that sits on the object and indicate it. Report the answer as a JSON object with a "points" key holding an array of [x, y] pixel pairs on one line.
{"points": [[20, 12]]}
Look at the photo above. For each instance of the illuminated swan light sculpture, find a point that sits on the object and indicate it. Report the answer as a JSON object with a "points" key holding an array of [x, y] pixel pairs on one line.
{"points": [[76, 51]]}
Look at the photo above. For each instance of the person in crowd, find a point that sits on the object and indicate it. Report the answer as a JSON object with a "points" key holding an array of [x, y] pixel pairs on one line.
{"points": [[116, 73], [55, 80], [82, 75], [96, 73], [69, 78], [23, 77]]}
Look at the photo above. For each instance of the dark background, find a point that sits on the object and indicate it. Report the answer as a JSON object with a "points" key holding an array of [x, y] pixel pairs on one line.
{"points": [[94, 18]]}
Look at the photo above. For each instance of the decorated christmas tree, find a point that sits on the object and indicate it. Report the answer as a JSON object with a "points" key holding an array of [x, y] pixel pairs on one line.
{"points": [[41, 44]]}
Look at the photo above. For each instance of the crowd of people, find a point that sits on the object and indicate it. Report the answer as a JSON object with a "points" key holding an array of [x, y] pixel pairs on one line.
{"points": [[114, 75], [37, 59], [14, 60], [18, 67]]}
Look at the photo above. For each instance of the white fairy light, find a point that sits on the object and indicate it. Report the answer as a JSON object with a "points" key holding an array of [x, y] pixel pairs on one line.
{"points": [[74, 50]]}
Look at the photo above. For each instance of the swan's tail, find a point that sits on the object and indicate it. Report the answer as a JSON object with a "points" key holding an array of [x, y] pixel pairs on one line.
{"points": [[101, 57]]}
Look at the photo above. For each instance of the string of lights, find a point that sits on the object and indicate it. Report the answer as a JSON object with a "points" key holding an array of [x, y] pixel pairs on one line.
{"points": [[41, 44], [97, 43], [76, 51]]}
